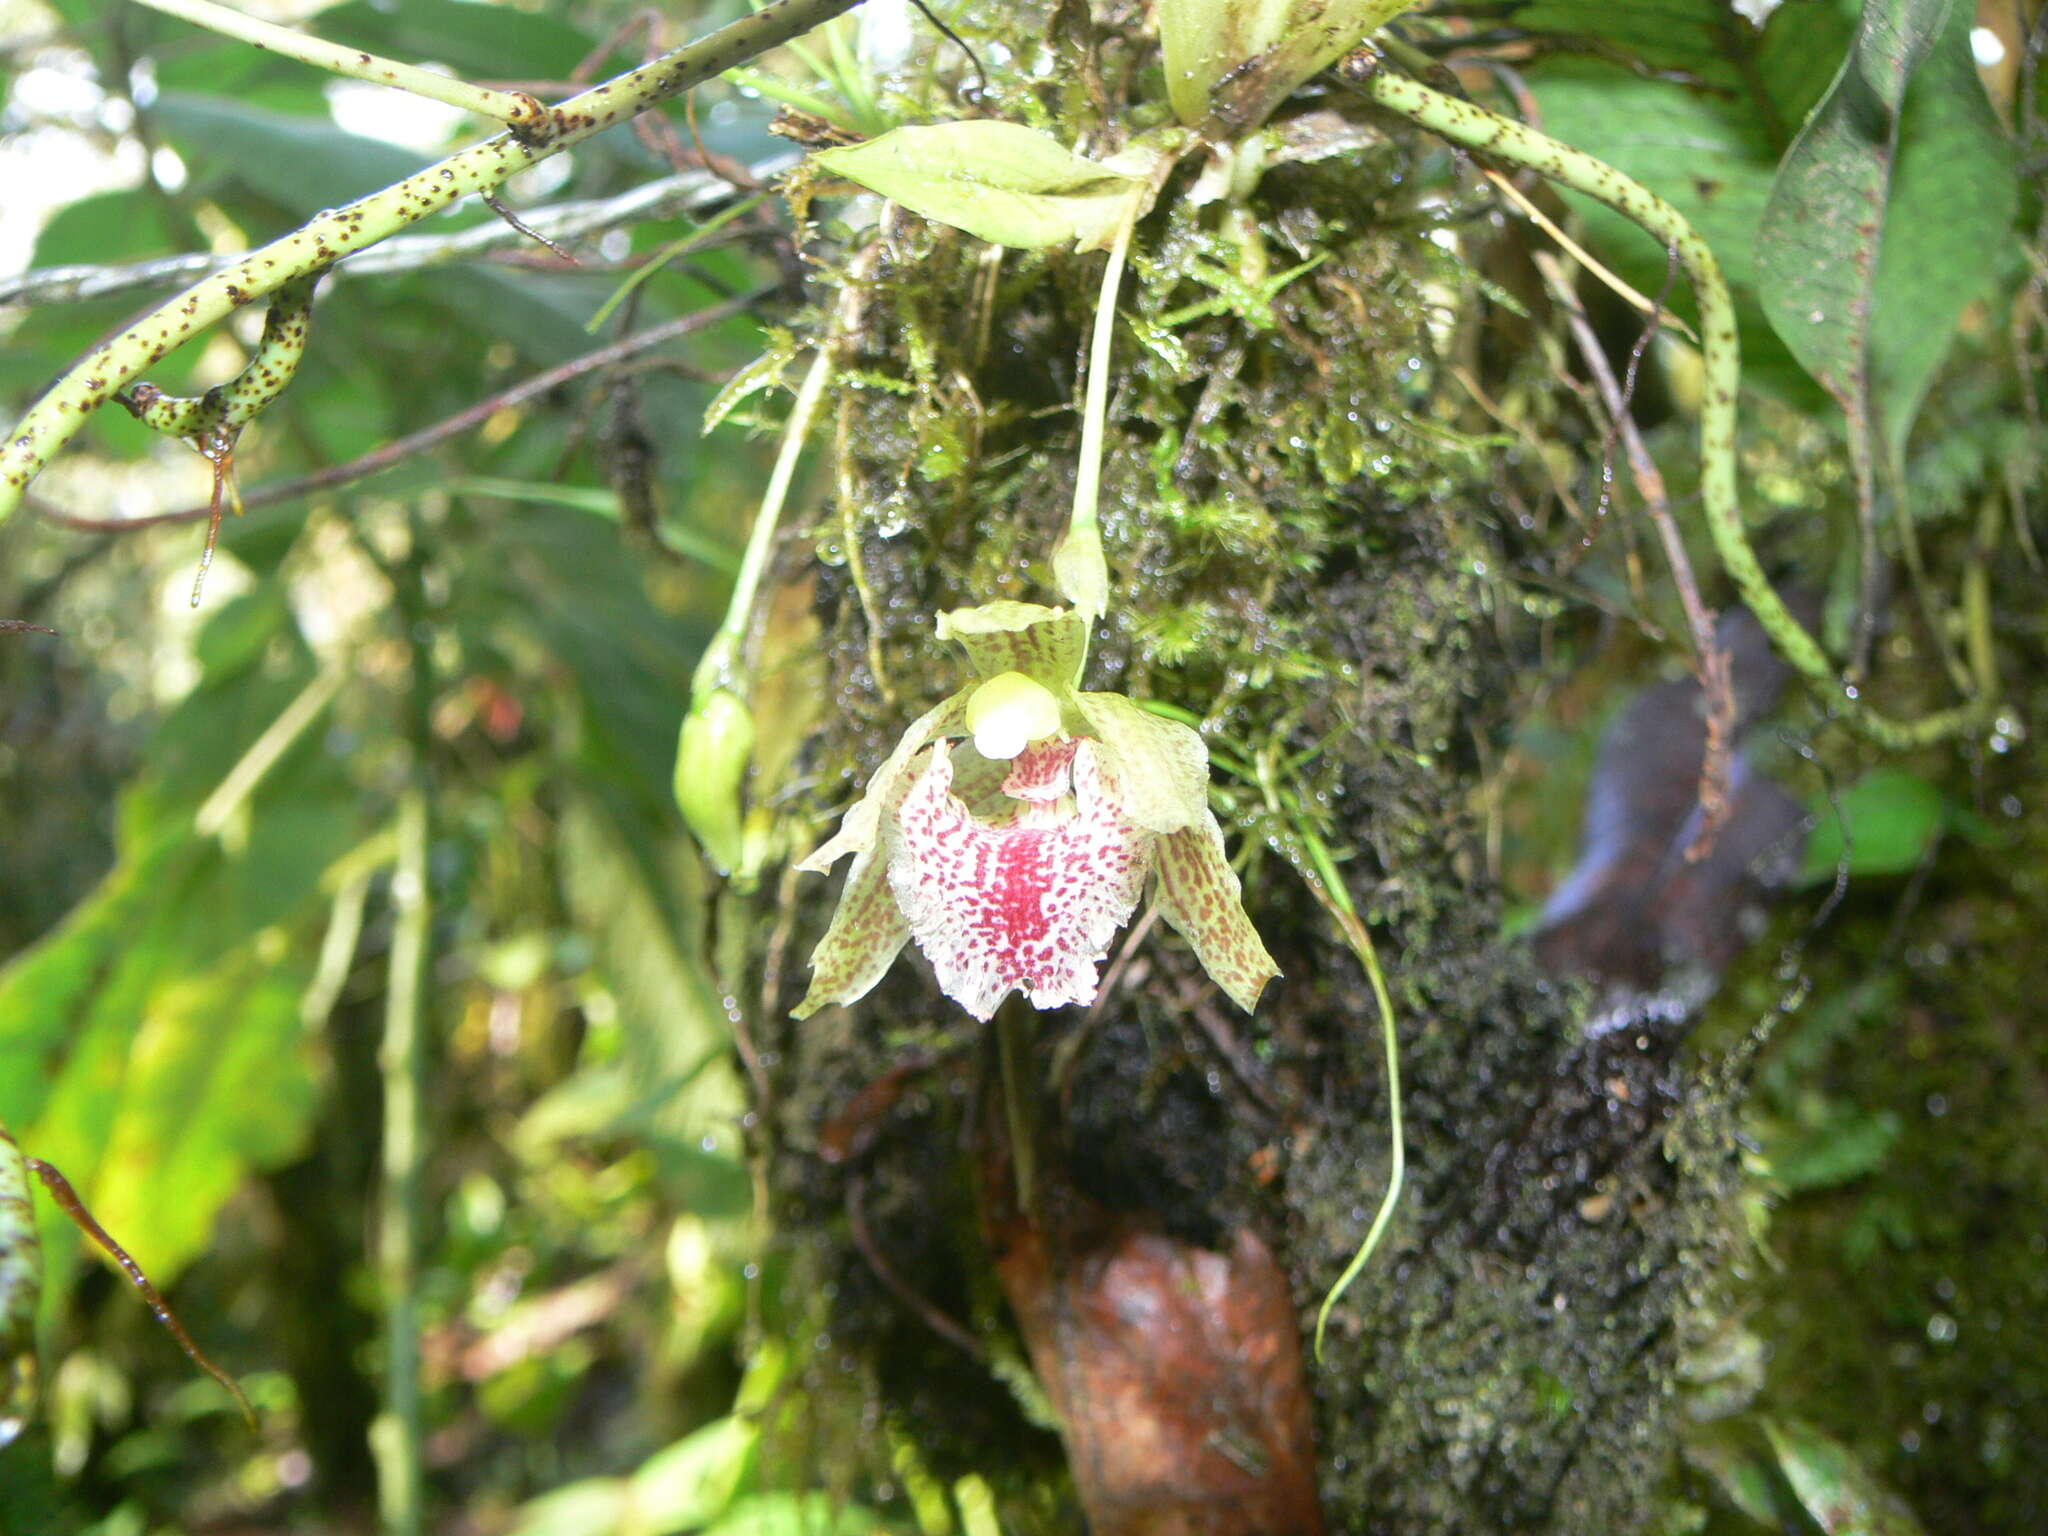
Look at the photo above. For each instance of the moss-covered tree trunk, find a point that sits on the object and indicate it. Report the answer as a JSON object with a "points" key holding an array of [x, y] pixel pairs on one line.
{"points": [[1300, 535]]}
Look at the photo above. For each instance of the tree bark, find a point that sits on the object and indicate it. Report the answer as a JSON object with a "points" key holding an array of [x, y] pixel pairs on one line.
{"points": [[1301, 535]]}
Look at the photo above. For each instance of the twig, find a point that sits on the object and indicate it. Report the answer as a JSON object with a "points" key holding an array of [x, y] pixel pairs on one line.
{"points": [[1710, 659], [897, 1286], [515, 109], [427, 437], [689, 193], [980, 74], [1197, 1001], [54, 419], [1629, 294], [67, 1198], [503, 210]]}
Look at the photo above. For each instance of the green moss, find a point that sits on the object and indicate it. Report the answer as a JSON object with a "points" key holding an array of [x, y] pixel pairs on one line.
{"points": [[1289, 506]]}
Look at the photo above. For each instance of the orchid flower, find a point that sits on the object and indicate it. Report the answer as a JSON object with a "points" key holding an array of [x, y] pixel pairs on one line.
{"points": [[1015, 826]]}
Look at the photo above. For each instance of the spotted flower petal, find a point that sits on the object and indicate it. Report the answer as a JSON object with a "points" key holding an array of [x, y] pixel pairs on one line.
{"points": [[867, 930], [1028, 904], [857, 832], [1199, 895], [1162, 766], [1047, 645], [1040, 774]]}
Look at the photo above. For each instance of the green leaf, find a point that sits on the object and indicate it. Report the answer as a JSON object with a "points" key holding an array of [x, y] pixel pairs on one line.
{"points": [[601, 502], [1955, 191], [1710, 149], [1009, 184], [302, 164], [1830, 1146], [696, 1479], [495, 42], [154, 1045], [796, 1514], [109, 228], [1244, 57], [1887, 820], [628, 883], [1817, 244], [1834, 1487], [1708, 44]]}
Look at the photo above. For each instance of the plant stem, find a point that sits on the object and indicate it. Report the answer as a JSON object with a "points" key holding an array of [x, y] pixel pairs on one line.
{"points": [[1079, 567], [56, 417], [1473, 126], [1360, 939], [398, 1435], [514, 109], [1330, 890], [722, 666]]}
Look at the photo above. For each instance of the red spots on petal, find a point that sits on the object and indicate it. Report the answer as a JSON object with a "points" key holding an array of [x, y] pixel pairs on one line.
{"points": [[1026, 902], [1043, 772]]}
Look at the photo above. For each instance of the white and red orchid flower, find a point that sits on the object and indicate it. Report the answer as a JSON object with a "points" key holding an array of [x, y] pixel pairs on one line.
{"points": [[1013, 857]]}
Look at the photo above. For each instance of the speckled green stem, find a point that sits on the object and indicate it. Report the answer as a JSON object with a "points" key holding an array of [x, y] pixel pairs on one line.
{"points": [[1720, 352], [229, 407], [53, 420], [21, 1284], [515, 109]]}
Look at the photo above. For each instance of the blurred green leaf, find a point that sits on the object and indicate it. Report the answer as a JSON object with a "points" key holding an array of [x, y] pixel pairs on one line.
{"points": [[1704, 42], [108, 228], [1887, 820], [695, 1480], [306, 163], [1833, 1486], [631, 894], [1730, 1456], [1832, 1145], [601, 502], [478, 42], [154, 1039]]}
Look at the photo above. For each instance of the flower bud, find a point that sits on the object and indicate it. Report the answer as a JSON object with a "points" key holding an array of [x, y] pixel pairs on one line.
{"points": [[712, 758]]}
